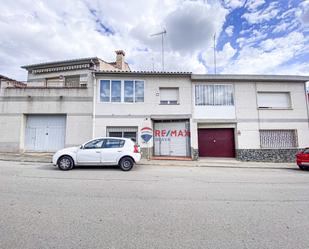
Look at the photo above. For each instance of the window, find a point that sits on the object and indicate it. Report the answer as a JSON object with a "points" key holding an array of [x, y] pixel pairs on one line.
{"points": [[130, 134], [214, 95], [139, 91], [116, 91], [274, 100], [113, 143], [133, 91], [94, 144], [128, 90], [306, 151], [278, 139], [72, 81], [110, 91], [126, 132], [169, 96], [105, 90], [115, 134], [54, 82]]}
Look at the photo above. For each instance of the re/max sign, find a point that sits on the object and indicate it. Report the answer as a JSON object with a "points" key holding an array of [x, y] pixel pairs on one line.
{"points": [[172, 133]]}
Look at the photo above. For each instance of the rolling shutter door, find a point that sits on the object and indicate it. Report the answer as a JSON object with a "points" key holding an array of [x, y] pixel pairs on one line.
{"points": [[171, 139]]}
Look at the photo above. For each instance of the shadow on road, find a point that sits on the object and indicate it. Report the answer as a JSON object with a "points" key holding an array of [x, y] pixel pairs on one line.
{"points": [[81, 168]]}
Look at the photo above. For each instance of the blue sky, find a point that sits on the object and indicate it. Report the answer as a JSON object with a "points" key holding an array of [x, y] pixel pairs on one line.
{"points": [[252, 36]]}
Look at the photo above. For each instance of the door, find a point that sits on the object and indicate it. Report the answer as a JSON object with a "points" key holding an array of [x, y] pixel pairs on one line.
{"points": [[216, 142], [113, 149], [305, 157], [172, 138], [90, 153], [45, 133]]}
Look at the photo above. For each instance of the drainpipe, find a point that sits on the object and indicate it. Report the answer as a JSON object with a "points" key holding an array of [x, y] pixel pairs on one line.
{"points": [[307, 101], [94, 103]]}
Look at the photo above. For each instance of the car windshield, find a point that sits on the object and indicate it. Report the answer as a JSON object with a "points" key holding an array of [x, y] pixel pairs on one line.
{"points": [[306, 151]]}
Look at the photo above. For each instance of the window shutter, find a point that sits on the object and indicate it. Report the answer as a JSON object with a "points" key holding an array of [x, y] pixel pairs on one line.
{"points": [[169, 94], [274, 100]]}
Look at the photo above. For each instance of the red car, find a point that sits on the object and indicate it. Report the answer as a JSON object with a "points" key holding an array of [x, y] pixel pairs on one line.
{"points": [[302, 159]]}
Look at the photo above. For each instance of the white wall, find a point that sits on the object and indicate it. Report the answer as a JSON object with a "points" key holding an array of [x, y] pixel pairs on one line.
{"points": [[212, 112], [250, 119], [151, 104]]}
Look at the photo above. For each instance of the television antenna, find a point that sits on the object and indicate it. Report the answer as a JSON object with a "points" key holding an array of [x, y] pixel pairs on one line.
{"points": [[162, 33], [215, 61]]}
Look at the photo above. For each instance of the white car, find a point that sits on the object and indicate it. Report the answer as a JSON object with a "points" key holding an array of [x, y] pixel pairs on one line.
{"points": [[100, 151]]}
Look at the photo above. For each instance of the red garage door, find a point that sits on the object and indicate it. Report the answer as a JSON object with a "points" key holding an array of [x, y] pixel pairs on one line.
{"points": [[216, 142]]}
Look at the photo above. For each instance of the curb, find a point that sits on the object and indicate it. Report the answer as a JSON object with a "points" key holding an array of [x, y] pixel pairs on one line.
{"points": [[172, 164]]}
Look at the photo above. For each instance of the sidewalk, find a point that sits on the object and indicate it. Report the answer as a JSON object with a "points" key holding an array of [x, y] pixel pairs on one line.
{"points": [[203, 162], [218, 162]]}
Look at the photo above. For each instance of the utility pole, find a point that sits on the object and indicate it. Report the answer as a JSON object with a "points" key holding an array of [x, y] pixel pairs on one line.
{"points": [[162, 33], [215, 63]]}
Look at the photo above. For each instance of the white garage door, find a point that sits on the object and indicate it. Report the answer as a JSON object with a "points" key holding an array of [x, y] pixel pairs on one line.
{"points": [[172, 138], [45, 133]]}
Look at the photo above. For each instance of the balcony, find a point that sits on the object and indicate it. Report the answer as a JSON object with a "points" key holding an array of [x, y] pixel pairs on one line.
{"points": [[41, 89]]}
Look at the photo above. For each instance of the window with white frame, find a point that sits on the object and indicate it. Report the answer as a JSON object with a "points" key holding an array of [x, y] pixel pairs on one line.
{"points": [[105, 90], [128, 91], [116, 91], [127, 132], [169, 96], [214, 95], [278, 139], [274, 100]]}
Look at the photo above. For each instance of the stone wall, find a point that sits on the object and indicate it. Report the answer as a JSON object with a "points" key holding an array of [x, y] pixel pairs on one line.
{"points": [[145, 152], [194, 154], [267, 155]]}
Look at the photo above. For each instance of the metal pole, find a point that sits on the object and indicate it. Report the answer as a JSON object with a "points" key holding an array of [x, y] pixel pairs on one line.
{"points": [[215, 66], [162, 51]]}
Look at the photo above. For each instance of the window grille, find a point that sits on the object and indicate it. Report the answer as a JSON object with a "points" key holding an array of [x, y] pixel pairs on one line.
{"points": [[72, 81], [278, 139]]}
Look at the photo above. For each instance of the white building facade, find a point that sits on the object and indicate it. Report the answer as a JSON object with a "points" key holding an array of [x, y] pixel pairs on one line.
{"points": [[248, 117]]}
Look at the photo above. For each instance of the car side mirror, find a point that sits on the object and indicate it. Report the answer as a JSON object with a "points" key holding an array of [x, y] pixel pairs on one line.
{"points": [[81, 147]]}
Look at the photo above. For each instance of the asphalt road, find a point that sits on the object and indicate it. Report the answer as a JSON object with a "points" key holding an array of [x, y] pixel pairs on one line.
{"points": [[152, 207]]}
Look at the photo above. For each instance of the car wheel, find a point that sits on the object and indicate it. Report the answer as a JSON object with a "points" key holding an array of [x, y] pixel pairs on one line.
{"points": [[302, 167], [126, 163], [65, 163]]}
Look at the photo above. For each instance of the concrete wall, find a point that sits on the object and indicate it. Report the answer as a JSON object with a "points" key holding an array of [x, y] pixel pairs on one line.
{"points": [[251, 119], [211, 112], [39, 78], [143, 114], [151, 104], [16, 103]]}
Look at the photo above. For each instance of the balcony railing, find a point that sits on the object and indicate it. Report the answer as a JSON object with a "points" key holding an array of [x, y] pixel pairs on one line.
{"points": [[51, 84]]}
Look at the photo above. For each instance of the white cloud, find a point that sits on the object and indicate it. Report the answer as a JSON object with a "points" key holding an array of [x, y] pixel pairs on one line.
{"points": [[39, 31], [233, 4], [305, 16], [229, 30], [192, 25], [254, 4], [269, 56], [256, 36], [223, 56], [262, 15]]}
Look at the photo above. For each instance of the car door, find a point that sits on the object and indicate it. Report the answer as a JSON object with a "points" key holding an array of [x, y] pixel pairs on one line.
{"points": [[305, 157], [113, 149], [90, 153]]}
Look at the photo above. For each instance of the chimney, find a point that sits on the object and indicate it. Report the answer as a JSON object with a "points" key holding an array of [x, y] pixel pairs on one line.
{"points": [[120, 64]]}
